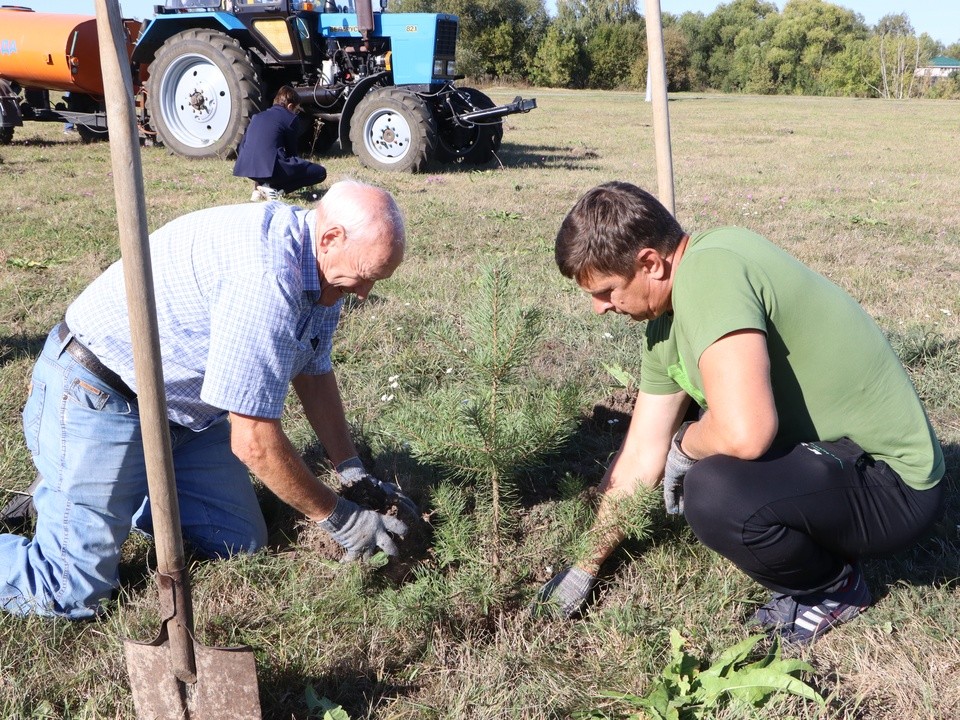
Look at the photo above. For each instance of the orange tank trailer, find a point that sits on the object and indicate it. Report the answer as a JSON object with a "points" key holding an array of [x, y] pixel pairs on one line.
{"points": [[53, 51]]}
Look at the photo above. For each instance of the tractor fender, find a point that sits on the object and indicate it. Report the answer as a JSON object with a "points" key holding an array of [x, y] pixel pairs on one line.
{"points": [[356, 95], [158, 30]]}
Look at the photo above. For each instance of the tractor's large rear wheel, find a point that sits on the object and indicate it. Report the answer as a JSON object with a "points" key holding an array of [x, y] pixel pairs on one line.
{"points": [[473, 143], [202, 91], [393, 129]]}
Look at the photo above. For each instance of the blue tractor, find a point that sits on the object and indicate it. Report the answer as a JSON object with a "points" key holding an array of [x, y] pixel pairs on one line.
{"points": [[382, 85]]}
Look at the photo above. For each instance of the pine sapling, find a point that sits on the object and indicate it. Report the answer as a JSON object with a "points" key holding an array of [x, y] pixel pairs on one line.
{"points": [[489, 419]]}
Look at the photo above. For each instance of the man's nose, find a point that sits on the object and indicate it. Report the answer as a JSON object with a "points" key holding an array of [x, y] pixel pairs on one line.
{"points": [[601, 306], [363, 289]]}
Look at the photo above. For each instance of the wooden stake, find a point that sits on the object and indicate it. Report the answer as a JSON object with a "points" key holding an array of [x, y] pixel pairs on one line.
{"points": [[657, 77]]}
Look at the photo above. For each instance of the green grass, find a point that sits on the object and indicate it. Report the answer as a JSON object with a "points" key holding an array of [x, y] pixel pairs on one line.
{"points": [[860, 190]]}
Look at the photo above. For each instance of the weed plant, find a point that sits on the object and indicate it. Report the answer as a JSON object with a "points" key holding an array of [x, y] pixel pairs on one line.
{"points": [[691, 690], [857, 189]]}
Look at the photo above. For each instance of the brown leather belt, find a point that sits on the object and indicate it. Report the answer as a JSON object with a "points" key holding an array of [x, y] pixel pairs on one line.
{"points": [[83, 355]]}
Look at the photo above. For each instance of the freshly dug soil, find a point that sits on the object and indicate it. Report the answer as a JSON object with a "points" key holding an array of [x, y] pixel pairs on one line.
{"points": [[413, 547], [609, 417], [614, 413]]}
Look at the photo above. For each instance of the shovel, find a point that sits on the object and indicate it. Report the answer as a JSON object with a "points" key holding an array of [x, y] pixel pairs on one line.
{"points": [[174, 676]]}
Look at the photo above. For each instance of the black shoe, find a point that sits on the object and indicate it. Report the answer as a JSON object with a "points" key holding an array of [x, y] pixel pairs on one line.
{"points": [[17, 513], [802, 619]]}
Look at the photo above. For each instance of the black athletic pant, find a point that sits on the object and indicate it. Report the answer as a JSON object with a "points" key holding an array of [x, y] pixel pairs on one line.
{"points": [[793, 519], [294, 174]]}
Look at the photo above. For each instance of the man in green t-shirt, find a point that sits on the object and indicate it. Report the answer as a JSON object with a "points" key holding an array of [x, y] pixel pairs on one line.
{"points": [[811, 449]]}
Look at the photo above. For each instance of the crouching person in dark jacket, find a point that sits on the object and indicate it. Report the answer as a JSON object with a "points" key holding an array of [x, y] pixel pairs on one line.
{"points": [[268, 152]]}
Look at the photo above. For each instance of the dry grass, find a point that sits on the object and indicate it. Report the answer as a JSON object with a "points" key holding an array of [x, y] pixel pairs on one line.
{"points": [[861, 190]]}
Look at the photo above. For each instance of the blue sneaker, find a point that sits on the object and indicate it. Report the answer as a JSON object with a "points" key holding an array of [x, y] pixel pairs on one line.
{"points": [[801, 619]]}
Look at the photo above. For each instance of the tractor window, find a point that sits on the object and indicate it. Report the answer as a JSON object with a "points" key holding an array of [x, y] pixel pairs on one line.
{"points": [[241, 5], [302, 30], [192, 4], [277, 33]]}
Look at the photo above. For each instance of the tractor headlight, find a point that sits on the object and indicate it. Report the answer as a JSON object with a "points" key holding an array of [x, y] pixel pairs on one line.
{"points": [[438, 67], [451, 67]]}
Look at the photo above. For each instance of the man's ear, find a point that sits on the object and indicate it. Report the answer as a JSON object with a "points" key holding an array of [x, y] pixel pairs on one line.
{"points": [[333, 236], [651, 263]]}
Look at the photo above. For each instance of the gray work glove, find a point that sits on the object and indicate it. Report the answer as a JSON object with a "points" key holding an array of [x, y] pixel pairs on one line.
{"points": [[352, 473], [676, 468], [565, 595], [361, 531]]}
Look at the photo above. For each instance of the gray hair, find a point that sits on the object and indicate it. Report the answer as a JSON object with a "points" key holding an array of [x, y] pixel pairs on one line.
{"points": [[347, 204]]}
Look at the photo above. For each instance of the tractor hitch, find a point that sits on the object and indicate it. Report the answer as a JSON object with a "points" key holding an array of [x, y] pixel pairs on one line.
{"points": [[519, 105]]}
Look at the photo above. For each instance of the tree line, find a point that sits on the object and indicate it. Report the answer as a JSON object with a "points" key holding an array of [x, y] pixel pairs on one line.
{"points": [[811, 47]]}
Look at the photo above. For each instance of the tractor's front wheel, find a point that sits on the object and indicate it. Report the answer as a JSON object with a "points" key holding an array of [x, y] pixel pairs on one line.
{"points": [[393, 129], [203, 89], [6, 135], [473, 143]]}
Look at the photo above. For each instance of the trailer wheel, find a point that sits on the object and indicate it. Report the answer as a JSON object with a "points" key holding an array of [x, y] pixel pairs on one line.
{"points": [[82, 103], [6, 135], [393, 129], [202, 91], [89, 135], [475, 144]]}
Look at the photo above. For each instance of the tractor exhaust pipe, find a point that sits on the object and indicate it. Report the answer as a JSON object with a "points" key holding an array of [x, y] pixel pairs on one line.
{"points": [[317, 95], [364, 19]]}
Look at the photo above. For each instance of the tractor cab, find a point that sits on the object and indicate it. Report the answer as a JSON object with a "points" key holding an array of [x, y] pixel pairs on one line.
{"points": [[285, 31]]}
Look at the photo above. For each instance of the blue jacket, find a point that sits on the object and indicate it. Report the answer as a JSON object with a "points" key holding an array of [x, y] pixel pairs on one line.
{"points": [[271, 139]]}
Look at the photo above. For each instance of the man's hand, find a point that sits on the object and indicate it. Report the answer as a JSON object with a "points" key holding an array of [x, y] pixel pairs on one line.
{"points": [[361, 531], [676, 468], [352, 474], [565, 595]]}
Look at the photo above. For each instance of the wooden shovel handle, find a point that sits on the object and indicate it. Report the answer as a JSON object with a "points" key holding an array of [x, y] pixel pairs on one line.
{"points": [[138, 278]]}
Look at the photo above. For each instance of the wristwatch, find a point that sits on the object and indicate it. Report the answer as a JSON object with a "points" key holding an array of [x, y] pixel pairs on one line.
{"points": [[678, 438]]}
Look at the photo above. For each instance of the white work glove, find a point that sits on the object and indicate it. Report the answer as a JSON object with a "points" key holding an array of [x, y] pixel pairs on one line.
{"points": [[678, 464], [565, 595], [361, 531], [352, 473]]}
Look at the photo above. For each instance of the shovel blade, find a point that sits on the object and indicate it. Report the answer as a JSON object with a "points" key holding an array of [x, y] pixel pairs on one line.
{"points": [[226, 685]]}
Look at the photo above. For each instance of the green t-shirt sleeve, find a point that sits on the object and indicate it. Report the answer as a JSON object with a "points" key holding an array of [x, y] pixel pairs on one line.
{"points": [[658, 346], [716, 292]]}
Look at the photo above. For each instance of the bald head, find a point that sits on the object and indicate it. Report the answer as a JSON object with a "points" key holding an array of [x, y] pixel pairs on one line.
{"points": [[367, 214], [360, 238]]}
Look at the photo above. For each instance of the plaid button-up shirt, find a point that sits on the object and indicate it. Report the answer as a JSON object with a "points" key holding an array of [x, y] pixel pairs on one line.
{"points": [[237, 290]]}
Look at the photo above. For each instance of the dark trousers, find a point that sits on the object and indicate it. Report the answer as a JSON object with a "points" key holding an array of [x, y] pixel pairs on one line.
{"points": [[792, 520], [293, 175]]}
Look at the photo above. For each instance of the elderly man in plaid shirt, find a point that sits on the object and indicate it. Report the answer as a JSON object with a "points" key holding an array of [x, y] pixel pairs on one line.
{"points": [[248, 298]]}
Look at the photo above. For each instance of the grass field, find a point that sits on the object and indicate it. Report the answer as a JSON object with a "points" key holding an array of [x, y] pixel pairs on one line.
{"points": [[864, 191]]}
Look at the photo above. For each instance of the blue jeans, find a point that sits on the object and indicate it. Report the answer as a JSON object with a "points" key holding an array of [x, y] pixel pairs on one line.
{"points": [[86, 444]]}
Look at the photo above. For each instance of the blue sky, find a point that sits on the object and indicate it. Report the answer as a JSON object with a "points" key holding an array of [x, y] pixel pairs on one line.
{"points": [[938, 18]]}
